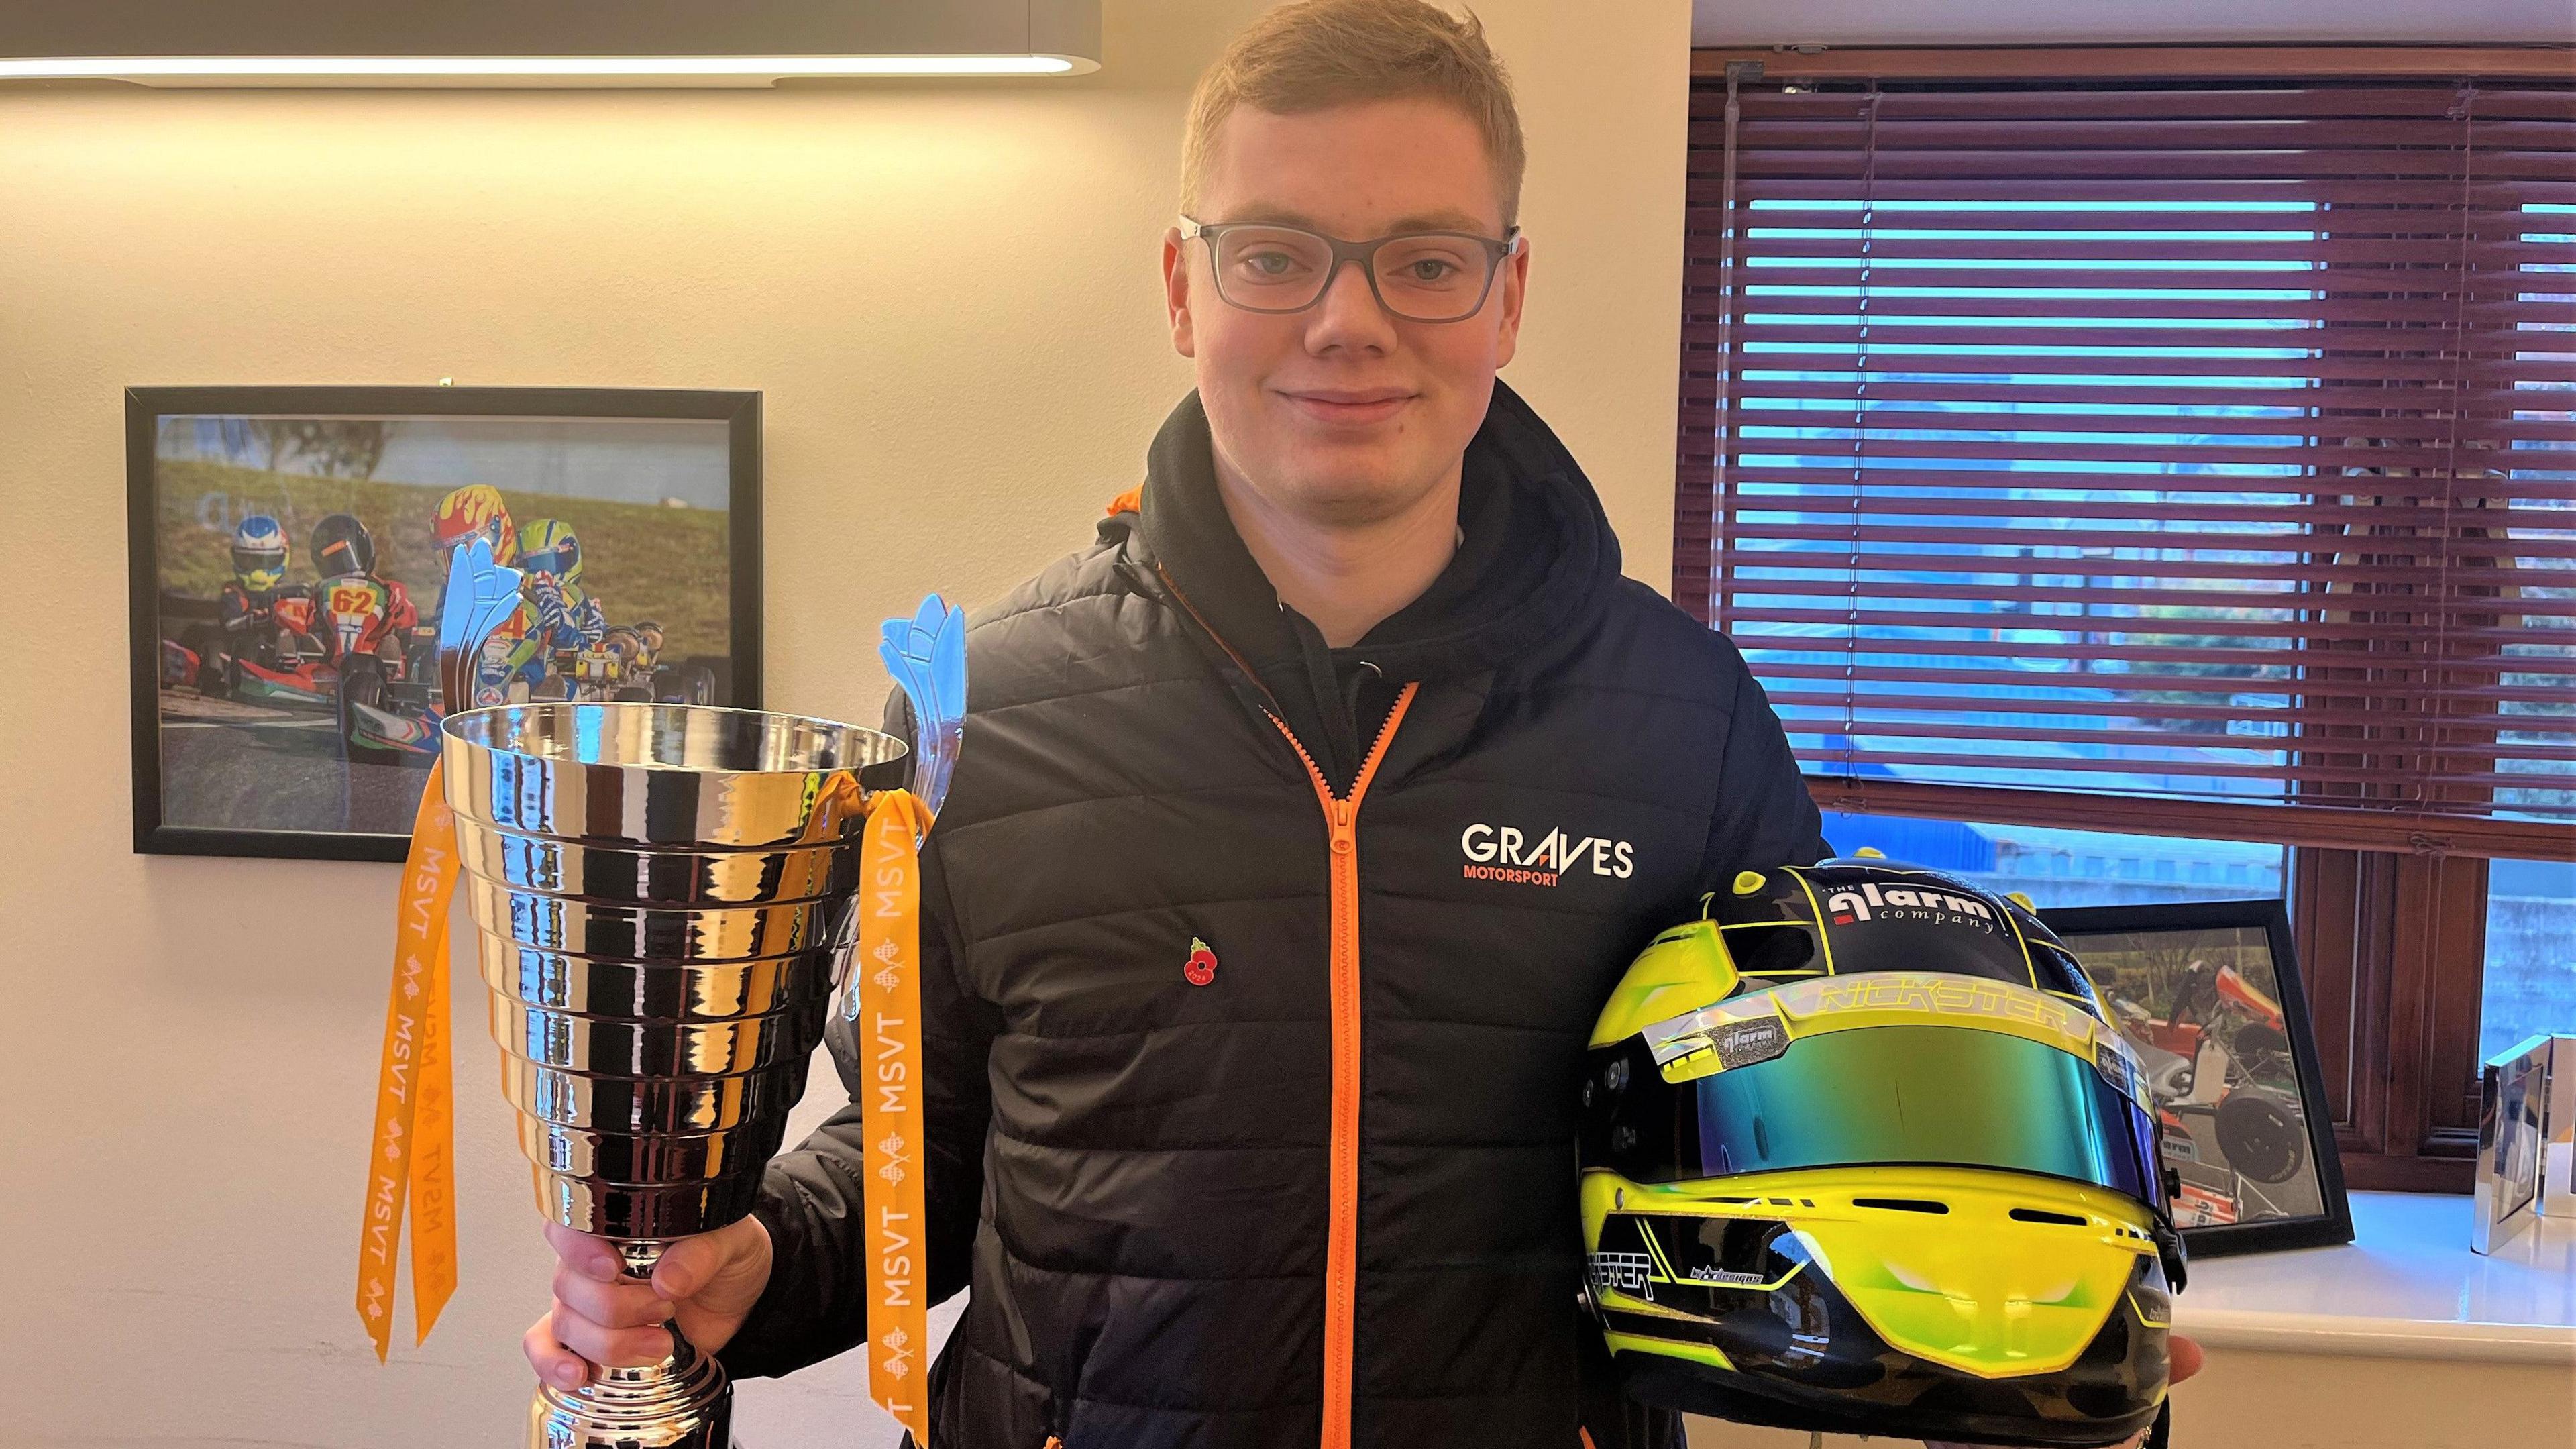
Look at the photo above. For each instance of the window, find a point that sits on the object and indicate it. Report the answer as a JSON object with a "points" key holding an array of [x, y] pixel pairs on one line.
{"points": [[2056, 866], [2207, 444], [2531, 953]]}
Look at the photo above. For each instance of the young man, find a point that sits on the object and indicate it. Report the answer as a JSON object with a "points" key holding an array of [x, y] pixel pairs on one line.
{"points": [[1351, 694]]}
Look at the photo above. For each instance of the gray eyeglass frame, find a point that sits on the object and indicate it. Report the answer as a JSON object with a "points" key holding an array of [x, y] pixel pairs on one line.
{"points": [[1497, 251]]}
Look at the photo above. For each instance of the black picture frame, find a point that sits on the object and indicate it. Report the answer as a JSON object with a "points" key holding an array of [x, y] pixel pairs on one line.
{"points": [[2332, 1224], [145, 407]]}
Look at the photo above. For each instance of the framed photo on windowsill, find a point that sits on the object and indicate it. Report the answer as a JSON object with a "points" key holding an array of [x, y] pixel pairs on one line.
{"points": [[288, 550], [2209, 994]]}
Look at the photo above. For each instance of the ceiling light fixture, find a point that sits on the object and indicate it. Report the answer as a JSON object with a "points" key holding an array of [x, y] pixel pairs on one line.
{"points": [[520, 70], [510, 43]]}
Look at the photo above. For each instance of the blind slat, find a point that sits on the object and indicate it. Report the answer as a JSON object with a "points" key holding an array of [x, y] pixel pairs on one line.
{"points": [[2287, 514], [2265, 101], [2222, 770], [2483, 373], [2101, 649], [2318, 715], [2415, 428], [1700, 388], [2112, 571], [2139, 680], [2097, 191], [1879, 545], [2462, 488], [1816, 621], [2431, 608]]}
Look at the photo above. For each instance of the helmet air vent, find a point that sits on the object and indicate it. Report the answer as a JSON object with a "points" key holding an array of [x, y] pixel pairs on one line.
{"points": [[1901, 1204], [2043, 1215]]}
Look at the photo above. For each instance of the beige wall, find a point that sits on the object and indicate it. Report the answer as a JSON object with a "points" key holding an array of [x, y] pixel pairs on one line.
{"points": [[946, 293]]}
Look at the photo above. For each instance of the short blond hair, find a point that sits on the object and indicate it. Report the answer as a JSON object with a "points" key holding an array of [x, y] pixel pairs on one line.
{"points": [[1323, 53]]}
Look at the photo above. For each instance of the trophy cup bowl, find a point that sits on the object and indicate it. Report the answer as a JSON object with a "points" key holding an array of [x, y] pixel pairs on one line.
{"points": [[661, 895]]}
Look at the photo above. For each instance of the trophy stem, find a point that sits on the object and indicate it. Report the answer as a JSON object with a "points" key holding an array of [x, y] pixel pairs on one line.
{"points": [[641, 1256], [683, 1402]]}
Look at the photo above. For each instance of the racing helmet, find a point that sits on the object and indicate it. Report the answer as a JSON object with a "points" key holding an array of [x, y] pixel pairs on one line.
{"points": [[623, 641], [259, 553], [472, 509], [549, 546], [343, 547], [1862, 1153]]}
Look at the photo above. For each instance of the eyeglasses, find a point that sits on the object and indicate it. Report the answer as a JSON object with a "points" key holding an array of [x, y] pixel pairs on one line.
{"points": [[1420, 276]]}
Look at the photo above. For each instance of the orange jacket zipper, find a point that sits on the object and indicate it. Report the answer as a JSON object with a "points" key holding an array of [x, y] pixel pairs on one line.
{"points": [[1342, 1224]]}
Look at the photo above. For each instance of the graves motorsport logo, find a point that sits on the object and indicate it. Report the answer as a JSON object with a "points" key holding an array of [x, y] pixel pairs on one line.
{"points": [[1903, 903], [1506, 854]]}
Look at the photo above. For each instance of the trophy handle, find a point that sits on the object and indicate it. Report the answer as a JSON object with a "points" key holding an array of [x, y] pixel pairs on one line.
{"points": [[480, 597], [926, 654]]}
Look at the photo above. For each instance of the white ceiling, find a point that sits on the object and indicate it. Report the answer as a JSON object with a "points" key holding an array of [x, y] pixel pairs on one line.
{"points": [[2105, 22]]}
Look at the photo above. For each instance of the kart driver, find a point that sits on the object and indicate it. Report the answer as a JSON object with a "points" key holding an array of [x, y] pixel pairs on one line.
{"points": [[1305, 818], [568, 617], [344, 554], [248, 606]]}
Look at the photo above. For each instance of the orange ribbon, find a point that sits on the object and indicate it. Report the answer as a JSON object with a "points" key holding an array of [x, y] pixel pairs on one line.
{"points": [[412, 1153], [887, 1030]]}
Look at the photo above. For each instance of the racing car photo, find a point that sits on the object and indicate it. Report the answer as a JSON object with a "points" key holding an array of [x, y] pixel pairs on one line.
{"points": [[2207, 995]]}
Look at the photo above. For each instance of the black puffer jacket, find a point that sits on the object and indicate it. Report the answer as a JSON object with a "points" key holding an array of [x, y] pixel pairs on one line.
{"points": [[1325, 1194]]}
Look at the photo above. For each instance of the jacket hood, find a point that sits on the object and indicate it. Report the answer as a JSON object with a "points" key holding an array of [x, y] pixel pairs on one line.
{"points": [[1536, 558]]}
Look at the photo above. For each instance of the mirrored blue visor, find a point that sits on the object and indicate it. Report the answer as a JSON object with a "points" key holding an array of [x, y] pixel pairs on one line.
{"points": [[1879, 1096]]}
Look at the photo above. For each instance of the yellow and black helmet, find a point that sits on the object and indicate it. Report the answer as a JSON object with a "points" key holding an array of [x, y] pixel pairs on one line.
{"points": [[1862, 1153]]}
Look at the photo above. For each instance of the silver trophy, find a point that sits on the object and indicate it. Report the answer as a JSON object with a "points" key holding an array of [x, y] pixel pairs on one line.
{"points": [[662, 902]]}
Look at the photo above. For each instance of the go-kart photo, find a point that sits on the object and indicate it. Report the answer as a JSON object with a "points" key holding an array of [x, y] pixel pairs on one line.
{"points": [[287, 588]]}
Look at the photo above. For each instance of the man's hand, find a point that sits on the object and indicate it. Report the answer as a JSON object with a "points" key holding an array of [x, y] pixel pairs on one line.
{"points": [[707, 1283], [2186, 1362]]}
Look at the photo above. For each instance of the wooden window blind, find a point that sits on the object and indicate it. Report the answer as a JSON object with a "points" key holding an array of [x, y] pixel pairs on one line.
{"points": [[2209, 444]]}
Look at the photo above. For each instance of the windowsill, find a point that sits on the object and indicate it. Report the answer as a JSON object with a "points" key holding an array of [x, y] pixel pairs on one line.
{"points": [[2407, 1286]]}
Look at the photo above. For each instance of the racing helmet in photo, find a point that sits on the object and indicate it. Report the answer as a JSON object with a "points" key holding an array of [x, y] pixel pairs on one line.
{"points": [[342, 547], [1862, 1153], [474, 509], [549, 546], [259, 553]]}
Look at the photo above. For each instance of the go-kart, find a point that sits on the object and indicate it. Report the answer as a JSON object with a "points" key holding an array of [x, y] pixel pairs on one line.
{"points": [[385, 671], [2209, 1072], [281, 660], [391, 717], [625, 665]]}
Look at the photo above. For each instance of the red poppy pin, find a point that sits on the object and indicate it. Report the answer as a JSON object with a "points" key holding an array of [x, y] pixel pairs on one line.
{"points": [[1200, 969]]}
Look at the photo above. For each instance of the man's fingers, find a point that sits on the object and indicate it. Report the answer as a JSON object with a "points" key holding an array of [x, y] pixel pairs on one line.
{"points": [[612, 1347], [553, 1362], [611, 1305], [687, 1266], [589, 1256]]}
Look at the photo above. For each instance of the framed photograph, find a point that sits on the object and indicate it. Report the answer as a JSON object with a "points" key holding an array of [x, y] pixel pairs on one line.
{"points": [[2558, 1132], [288, 547], [2208, 992], [2513, 1092]]}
